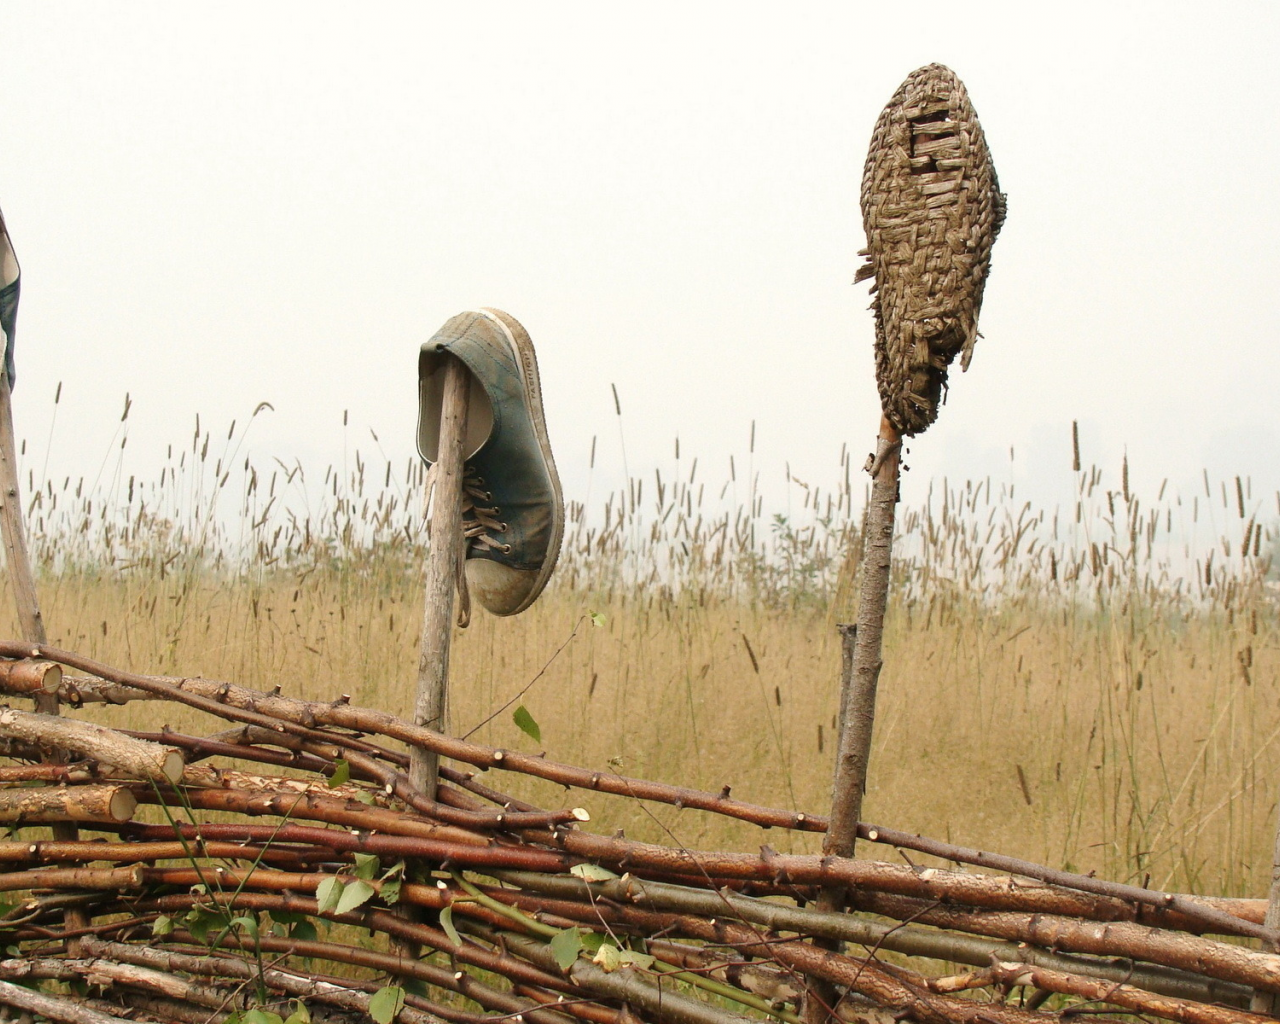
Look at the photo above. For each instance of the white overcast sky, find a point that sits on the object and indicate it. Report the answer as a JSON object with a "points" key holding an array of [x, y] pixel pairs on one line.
{"points": [[216, 205]]}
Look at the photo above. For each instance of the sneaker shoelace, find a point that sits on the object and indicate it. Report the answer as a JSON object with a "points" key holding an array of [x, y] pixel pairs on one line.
{"points": [[480, 527]]}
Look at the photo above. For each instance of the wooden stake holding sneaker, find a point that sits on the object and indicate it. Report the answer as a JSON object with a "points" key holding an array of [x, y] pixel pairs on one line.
{"points": [[931, 207], [443, 560]]}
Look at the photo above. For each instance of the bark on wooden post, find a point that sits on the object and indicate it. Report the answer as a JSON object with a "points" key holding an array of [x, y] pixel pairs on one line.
{"points": [[858, 703], [444, 560], [24, 584], [1269, 1002], [15, 542], [848, 638], [822, 996], [862, 649]]}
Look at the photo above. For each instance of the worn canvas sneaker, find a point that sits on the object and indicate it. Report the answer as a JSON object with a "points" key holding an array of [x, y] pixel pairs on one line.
{"points": [[10, 282], [513, 512]]}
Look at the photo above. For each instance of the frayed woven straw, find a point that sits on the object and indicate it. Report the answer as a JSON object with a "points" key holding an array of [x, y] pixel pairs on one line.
{"points": [[932, 208]]}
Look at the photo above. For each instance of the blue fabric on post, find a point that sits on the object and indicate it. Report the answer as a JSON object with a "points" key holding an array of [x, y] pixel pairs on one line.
{"points": [[10, 286]]}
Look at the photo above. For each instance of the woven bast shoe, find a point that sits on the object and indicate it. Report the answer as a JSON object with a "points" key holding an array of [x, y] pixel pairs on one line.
{"points": [[10, 283], [932, 208], [513, 512]]}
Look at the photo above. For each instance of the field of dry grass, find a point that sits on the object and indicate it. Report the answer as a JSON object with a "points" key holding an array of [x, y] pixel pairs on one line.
{"points": [[1055, 686]]}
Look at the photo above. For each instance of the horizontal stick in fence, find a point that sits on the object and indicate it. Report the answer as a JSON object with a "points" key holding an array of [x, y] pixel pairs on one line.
{"points": [[466, 855], [60, 804], [107, 746], [1128, 996], [378, 920], [304, 986], [29, 676], [912, 940], [53, 1007]]}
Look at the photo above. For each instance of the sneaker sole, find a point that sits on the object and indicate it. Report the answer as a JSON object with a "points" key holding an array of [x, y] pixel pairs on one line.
{"points": [[532, 382]]}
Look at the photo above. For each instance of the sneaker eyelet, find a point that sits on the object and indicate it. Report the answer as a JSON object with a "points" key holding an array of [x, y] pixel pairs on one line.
{"points": [[506, 549], [496, 511], [502, 527]]}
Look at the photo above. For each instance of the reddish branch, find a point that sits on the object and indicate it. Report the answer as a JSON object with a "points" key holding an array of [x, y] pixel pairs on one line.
{"points": [[284, 714], [1117, 994], [380, 920]]}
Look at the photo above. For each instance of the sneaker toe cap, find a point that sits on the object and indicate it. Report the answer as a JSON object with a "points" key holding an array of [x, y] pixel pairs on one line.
{"points": [[501, 589]]}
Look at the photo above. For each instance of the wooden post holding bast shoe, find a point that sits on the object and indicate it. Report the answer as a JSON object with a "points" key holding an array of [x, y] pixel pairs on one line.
{"points": [[931, 207]]}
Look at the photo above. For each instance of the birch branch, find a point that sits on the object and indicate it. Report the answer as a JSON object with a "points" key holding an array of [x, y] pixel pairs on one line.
{"points": [[133, 757], [54, 804]]}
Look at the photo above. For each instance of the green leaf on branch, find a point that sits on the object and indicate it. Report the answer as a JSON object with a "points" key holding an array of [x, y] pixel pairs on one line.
{"points": [[391, 882], [162, 925], [261, 1017], [300, 1015], [565, 947], [356, 894], [592, 873], [391, 891], [630, 958], [525, 723], [609, 957], [592, 941], [341, 774], [304, 931], [446, 922], [386, 1003], [366, 865], [200, 921], [249, 924], [597, 619], [328, 893]]}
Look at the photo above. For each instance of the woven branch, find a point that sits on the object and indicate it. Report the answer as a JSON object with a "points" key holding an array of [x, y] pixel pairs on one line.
{"points": [[105, 804], [734, 931], [134, 757], [931, 207]]}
